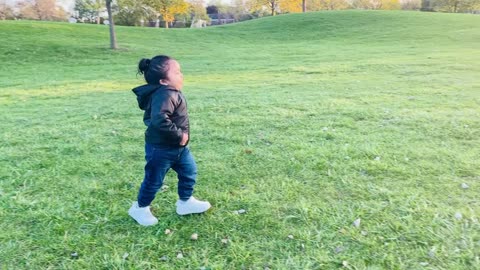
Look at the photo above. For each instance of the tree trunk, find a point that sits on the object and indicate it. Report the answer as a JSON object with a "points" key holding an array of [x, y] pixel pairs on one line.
{"points": [[425, 6], [166, 25], [113, 38], [304, 6]]}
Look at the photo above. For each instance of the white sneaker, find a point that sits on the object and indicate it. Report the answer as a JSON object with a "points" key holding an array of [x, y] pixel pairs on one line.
{"points": [[192, 206], [142, 215]]}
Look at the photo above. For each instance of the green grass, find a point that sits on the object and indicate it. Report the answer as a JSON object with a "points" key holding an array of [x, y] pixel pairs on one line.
{"points": [[307, 121]]}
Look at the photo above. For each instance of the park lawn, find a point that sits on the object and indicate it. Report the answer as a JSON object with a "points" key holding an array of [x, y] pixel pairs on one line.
{"points": [[309, 122]]}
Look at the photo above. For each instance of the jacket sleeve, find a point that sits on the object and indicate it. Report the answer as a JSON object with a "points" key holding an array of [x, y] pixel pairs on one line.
{"points": [[162, 108]]}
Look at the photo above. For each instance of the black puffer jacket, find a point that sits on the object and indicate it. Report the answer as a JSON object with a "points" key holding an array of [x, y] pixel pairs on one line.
{"points": [[165, 116]]}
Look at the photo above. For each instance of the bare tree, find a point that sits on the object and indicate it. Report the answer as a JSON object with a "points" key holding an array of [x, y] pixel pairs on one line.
{"points": [[45, 10], [6, 11]]}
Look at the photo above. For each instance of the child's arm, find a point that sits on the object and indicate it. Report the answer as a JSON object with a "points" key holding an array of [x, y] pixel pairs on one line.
{"points": [[162, 107]]}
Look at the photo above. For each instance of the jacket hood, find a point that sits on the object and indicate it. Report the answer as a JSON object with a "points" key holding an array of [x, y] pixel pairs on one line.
{"points": [[144, 93]]}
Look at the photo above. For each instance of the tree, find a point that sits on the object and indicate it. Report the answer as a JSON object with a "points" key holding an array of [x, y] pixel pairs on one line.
{"points": [[290, 6], [113, 37], [132, 12], [212, 9], [390, 4], [90, 9], [82, 10], [272, 5], [376, 4], [456, 5], [45, 10], [240, 10], [426, 5], [448, 5], [6, 12], [26, 11], [316, 5], [411, 4], [334, 4], [304, 5], [197, 10], [276, 6], [168, 8]]}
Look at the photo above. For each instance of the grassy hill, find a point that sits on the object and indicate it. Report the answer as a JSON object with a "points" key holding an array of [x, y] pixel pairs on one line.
{"points": [[307, 121]]}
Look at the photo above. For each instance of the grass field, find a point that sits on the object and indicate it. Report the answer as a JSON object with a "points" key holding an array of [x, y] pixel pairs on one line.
{"points": [[307, 121]]}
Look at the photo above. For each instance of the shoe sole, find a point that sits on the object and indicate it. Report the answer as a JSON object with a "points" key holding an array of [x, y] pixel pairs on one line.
{"points": [[189, 213], [143, 224]]}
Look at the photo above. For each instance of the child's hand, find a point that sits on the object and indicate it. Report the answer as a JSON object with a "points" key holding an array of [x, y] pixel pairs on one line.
{"points": [[184, 140]]}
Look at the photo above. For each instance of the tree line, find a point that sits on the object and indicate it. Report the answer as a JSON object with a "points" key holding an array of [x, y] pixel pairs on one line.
{"points": [[140, 12]]}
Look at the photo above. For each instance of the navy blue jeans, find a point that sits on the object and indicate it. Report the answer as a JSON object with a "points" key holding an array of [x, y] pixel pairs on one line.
{"points": [[159, 161]]}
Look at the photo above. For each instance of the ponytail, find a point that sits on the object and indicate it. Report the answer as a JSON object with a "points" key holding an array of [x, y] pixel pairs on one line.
{"points": [[154, 69]]}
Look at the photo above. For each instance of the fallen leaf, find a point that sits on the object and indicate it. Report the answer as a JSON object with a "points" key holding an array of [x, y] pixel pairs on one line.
{"points": [[241, 211], [431, 252], [458, 215], [179, 255], [465, 186], [74, 255], [194, 236], [290, 236], [377, 158], [168, 231], [356, 223], [164, 258], [224, 241], [345, 264], [125, 255], [424, 263]]}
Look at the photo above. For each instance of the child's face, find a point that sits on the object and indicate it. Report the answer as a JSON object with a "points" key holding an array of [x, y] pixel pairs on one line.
{"points": [[174, 75]]}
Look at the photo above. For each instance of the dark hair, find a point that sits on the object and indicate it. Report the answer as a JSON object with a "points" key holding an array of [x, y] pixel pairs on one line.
{"points": [[154, 69]]}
